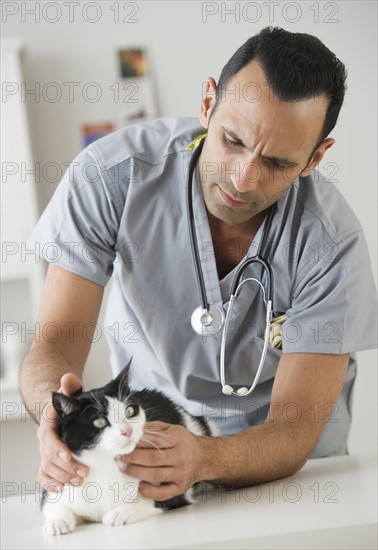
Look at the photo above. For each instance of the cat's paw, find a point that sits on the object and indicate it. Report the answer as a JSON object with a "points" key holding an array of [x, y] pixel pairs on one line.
{"points": [[59, 526], [117, 516]]}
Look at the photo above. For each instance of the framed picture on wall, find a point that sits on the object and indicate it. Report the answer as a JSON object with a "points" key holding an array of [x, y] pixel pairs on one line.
{"points": [[134, 97], [132, 62], [92, 132]]}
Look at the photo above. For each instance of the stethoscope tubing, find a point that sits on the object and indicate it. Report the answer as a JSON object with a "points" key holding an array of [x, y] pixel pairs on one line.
{"points": [[236, 284], [192, 231]]}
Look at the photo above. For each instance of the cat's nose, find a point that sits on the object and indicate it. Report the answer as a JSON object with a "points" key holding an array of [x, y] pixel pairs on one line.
{"points": [[127, 431]]}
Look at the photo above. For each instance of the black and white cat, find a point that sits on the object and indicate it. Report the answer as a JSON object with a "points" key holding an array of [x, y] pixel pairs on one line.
{"points": [[98, 426]]}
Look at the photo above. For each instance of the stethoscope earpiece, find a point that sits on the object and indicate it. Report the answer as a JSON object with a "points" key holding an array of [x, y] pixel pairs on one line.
{"points": [[229, 390]]}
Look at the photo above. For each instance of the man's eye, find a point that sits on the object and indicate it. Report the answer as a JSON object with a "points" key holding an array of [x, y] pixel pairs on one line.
{"points": [[100, 422], [275, 164], [231, 142]]}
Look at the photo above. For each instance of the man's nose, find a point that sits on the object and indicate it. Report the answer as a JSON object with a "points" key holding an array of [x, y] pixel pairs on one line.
{"points": [[245, 176]]}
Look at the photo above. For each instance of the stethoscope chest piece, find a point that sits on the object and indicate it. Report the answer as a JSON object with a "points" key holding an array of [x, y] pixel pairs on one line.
{"points": [[207, 322]]}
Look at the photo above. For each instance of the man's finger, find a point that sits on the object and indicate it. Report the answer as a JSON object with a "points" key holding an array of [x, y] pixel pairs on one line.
{"points": [[157, 425], [152, 475], [62, 458], [69, 383], [61, 476], [153, 439], [148, 457], [56, 452], [160, 492], [48, 483]]}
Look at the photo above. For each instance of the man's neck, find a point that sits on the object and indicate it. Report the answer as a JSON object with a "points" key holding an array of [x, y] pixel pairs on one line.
{"points": [[231, 242]]}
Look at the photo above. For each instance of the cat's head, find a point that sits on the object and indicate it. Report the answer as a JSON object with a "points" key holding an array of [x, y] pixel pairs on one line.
{"points": [[107, 418]]}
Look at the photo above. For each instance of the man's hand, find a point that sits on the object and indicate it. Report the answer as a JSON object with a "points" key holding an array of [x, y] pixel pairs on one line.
{"points": [[57, 465], [167, 454]]}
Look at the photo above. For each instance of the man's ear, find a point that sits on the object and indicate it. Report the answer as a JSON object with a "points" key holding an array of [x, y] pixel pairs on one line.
{"points": [[208, 102], [317, 156]]}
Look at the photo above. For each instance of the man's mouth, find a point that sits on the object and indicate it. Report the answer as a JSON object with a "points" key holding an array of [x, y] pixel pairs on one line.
{"points": [[230, 201]]}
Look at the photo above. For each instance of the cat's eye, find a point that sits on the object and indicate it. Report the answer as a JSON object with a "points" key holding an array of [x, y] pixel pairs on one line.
{"points": [[100, 422], [130, 411]]}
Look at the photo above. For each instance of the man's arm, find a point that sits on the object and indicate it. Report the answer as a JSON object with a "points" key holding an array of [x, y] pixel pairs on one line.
{"points": [[305, 387], [70, 307]]}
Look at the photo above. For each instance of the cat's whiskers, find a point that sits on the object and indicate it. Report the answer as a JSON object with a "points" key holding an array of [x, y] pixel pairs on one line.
{"points": [[95, 400], [122, 385], [150, 409], [154, 432], [149, 442], [162, 436]]}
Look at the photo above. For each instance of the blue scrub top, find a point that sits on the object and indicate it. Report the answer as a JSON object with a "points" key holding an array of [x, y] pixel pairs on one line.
{"points": [[120, 211]]}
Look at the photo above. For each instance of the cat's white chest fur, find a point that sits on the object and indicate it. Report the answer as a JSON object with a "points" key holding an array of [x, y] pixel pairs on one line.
{"points": [[105, 487], [107, 495]]}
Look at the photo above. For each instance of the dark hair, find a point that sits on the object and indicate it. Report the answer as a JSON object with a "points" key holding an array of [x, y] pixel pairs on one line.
{"points": [[297, 66]]}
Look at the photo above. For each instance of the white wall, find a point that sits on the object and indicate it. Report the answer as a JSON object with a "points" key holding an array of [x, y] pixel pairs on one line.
{"points": [[186, 44]]}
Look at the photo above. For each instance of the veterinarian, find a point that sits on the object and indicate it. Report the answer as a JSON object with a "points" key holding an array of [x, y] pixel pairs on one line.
{"points": [[120, 212]]}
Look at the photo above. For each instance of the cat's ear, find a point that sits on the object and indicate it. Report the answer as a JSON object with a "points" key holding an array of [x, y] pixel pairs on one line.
{"points": [[63, 405], [119, 386], [123, 376]]}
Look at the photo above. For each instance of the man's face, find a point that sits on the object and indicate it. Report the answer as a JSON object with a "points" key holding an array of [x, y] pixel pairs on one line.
{"points": [[256, 146]]}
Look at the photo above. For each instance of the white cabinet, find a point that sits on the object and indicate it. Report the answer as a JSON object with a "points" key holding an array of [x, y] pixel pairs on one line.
{"points": [[22, 273]]}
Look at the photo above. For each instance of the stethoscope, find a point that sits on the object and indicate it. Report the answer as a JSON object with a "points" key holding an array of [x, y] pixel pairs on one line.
{"points": [[209, 315]]}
